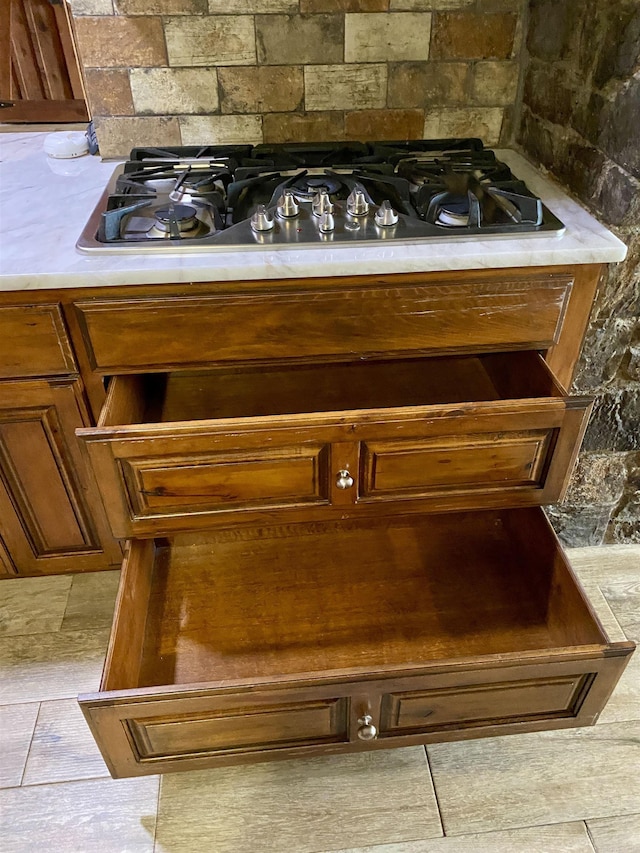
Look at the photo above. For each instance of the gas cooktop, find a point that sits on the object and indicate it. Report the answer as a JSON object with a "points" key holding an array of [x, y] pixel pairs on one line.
{"points": [[302, 194]]}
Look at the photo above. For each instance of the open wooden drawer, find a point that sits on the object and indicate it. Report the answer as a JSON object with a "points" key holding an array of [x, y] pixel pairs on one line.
{"points": [[185, 450], [241, 645]]}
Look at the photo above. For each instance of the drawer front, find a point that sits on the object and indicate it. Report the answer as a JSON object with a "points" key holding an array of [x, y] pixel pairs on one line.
{"points": [[34, 342], [505, 701], [472, 462], [165, 731], [244, 728], [256, 643], [165, 478], [191, 483], [133, 335], [190, 731], [187, 479], [451, 465]]}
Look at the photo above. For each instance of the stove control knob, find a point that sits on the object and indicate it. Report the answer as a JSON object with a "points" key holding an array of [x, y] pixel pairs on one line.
{"points": [[327, 222], [322, 203], [288, 207], [262, 220], [357, 204], [386, 215]]}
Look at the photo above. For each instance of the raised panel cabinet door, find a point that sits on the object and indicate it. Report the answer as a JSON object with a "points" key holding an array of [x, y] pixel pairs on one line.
{"points": [[51, 517], [39, 70]]}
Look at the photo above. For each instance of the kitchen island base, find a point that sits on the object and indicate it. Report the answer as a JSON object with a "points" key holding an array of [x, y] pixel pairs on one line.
{"points": [[328, 490]]}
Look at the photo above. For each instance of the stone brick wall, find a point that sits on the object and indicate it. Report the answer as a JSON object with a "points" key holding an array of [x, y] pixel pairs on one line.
{"points": [[197, 72], [581, 119]]}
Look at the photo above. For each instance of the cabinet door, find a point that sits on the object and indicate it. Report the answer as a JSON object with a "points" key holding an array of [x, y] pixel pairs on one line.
{"points": [[51, 518]]}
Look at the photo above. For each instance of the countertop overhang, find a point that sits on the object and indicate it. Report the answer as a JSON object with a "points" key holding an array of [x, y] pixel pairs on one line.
{"points": [[45, 203]]}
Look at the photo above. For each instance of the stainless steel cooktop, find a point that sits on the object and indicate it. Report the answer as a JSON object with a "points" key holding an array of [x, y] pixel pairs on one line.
{"points": [[242, 196]]}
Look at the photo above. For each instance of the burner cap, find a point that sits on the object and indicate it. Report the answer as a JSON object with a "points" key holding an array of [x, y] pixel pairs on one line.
{"points": [[181, 215], [178, 212], [310, 185], [454, 212]]}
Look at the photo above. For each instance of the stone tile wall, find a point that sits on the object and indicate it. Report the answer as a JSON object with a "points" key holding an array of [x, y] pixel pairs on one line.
{"points": [[191, 72], [581, 119]]}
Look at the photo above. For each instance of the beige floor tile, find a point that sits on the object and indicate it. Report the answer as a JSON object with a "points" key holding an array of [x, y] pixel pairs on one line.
{"points": [[63, 748], [616, 834], [536, 779], [97, 816], [33, 605], [91, 601], [16, 730], [299, 806], [605, 613], [51, 666], [623, 598], [560, 838], [606, 564]]}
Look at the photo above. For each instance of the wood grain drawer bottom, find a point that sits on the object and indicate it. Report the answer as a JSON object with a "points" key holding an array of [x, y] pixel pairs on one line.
{"points": [[244, 645]]}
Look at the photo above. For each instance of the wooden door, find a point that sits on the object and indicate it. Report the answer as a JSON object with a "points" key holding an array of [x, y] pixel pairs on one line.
{"points": [[40, 78], [50, 517]]}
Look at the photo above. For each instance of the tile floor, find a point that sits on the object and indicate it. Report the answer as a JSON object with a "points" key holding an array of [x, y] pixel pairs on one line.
{"points": [[554, 792]]}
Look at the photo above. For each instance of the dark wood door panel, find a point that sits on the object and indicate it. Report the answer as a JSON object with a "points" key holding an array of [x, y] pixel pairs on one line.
{"points": [[392, 469], [40, 74], [52, 518], [49, 508]]}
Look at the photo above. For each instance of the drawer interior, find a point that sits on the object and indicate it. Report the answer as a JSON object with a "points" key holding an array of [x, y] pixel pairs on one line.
{"points": [[254, 604], [241, 393]]}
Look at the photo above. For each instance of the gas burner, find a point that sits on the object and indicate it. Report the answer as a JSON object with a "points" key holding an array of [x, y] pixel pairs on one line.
{"points": [[453, 212], [237, 196], [175, 220], [307, 187]]}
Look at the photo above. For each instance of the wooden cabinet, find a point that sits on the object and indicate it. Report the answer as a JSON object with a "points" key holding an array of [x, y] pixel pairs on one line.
{"points": [[51, 516], [333, 490], [329, 493], [40, 79]]}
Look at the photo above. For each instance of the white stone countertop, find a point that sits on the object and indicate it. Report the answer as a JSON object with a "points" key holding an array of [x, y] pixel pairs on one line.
{"points": [[44, 205]]}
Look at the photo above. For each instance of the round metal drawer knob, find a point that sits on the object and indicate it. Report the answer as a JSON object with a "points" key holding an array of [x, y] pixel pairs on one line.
{"points": [[344, 480], [367, 730]]}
